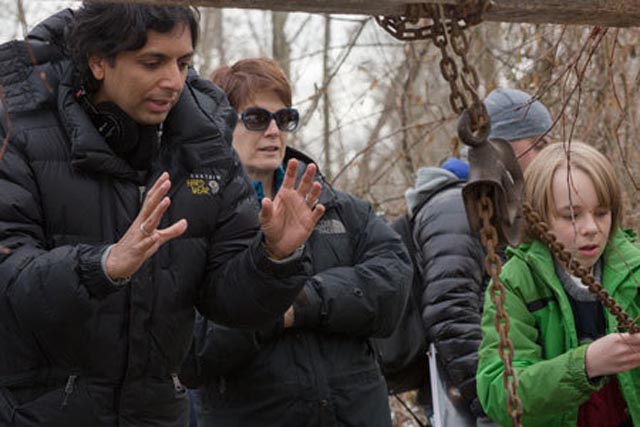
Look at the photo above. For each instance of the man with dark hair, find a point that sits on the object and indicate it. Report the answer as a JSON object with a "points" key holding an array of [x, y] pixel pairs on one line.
{"points": [[124, 207]]}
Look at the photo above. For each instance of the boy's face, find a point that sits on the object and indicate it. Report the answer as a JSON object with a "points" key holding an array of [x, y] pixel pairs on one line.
{"points": [[577, 219], [146, 83]]}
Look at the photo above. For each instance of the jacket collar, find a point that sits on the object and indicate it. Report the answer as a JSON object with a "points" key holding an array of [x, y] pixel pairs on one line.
{"points": [[89, 150], [621, 261], [429, 181], [278, 176], [328, 195]]}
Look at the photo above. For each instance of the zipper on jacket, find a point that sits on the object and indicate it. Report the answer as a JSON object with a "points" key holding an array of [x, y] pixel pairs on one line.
{"points": [[177, 386], [324, 310], [141, 190], [68, 389], [222, 385]]}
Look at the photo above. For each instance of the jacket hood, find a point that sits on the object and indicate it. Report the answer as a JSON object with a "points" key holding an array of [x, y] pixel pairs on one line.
{"points": [[27, 73], [429, 181], [53, 30]]}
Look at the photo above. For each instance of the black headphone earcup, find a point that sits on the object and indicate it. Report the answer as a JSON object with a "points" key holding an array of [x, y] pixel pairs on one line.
{"points": [[117, 128]]}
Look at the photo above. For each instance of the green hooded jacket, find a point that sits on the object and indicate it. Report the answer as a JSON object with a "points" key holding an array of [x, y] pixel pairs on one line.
{"points": [[552, 382]]}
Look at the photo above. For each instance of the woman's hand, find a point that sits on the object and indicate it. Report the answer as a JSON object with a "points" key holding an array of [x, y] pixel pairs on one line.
{"points": [[612, 354], [288, 220]]}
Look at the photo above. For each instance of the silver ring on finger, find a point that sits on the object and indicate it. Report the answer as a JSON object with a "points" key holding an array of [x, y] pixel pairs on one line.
{"points": [[309, 201], [144, 232]]}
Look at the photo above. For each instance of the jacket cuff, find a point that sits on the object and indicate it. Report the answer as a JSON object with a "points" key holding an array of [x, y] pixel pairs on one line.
{"points": [[307, 306], [297, 263], [578, 370], [91, 273]]}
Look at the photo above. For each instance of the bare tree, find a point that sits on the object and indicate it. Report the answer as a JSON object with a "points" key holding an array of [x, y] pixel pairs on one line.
{"points": [[211, 39], [326, 134], [281, 50]]}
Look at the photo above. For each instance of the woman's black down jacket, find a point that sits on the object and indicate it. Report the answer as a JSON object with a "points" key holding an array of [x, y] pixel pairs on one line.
{"points": [[322, 372]]}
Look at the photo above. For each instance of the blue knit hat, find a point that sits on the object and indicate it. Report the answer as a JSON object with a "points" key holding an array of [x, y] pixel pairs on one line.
{"points": [[457, 167], [513, 118]]}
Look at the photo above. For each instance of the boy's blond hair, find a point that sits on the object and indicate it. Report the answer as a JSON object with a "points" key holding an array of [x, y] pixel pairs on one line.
{"points": [[539, 178]]}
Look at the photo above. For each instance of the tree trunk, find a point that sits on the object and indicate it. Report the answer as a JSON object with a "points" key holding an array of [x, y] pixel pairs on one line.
{"points": [[281, 51], [211, 40], [326, 131]]}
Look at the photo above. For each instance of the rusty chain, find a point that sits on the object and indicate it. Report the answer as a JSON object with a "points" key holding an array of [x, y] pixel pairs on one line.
{"points": [[465, 98], [493, 264], [444, 25], [415, 23], [446, 35], [541, 229]]}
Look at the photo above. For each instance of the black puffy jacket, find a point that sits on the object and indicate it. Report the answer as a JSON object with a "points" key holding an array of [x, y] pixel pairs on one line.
{"points": [[322, 371], [453, 277], [74, 349]]}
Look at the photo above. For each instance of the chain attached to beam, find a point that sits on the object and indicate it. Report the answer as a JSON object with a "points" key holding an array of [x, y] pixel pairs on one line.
{"points": [[493, 193], [417, 22]]}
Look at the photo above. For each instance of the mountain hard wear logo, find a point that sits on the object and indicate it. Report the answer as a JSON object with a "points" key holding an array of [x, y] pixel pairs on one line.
{"points": [[203, 184]]}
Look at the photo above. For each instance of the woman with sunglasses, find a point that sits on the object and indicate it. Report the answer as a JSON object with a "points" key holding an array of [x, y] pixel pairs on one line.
{"points": [[314, 367]]}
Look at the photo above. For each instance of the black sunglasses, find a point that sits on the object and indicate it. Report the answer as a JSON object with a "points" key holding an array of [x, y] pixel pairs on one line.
{"points": [[258, 119]]}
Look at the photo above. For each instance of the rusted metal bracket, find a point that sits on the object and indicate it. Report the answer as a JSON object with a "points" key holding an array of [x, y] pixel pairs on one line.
{"points": [[494, 171]]}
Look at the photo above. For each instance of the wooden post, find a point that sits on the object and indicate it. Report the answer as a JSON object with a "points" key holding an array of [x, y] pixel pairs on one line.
{"points": [[614, 13]]}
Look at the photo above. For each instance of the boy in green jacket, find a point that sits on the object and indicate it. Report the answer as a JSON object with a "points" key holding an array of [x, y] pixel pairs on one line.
{"points": [[573, 367]]}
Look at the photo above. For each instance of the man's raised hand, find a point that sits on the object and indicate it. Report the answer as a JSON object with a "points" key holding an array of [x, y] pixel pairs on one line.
{"points": [[143, 238]]}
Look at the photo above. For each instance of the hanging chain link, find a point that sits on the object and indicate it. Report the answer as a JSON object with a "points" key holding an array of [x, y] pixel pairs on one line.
{"points": [[448, 32], [541, 229], [448, 35], [445, 27], [415, 24], [493, 264]]}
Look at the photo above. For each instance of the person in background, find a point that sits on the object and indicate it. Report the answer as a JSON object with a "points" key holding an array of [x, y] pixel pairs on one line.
{"points": [[519, 119], [123, 207], [574, 367], [315, 366], [451, 254]]}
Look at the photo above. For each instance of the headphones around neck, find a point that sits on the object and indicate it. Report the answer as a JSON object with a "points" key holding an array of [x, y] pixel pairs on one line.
{"points": [[127, 139]]}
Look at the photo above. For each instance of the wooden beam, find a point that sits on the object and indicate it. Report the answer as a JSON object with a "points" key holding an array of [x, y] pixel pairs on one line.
{"points": [[607, 13], [364, 7], [613, 13]]}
